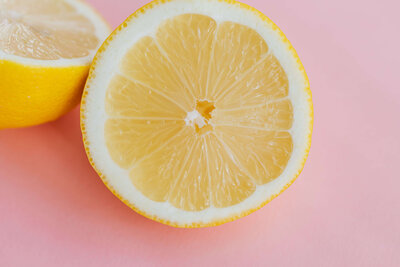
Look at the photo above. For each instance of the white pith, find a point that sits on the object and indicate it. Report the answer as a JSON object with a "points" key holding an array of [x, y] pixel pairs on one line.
{"points": [[146, 25], [195, 118], [102, 31]]}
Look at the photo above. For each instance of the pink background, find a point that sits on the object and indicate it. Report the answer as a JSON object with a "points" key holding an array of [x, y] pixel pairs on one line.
{"points": [[342, 211]]}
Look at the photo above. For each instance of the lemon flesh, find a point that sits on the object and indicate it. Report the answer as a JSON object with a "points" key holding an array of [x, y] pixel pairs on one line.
{"points": [[45, 30], [199, 114]]}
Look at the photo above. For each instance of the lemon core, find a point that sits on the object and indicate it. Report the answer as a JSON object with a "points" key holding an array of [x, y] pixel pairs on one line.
{"points": [[200, 117]]}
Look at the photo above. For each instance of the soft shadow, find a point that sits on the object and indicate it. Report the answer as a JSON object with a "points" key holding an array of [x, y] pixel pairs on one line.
{"points": [[48, 168]]}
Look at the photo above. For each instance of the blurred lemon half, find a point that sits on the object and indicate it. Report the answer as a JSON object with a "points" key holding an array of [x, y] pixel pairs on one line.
{"points": [[46, 47]]}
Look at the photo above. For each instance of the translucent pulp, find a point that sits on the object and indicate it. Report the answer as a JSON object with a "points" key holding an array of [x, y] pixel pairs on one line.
{"points": [[199, 114]]}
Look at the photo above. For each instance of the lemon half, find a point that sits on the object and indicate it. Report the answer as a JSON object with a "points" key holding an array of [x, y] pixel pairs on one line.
{"points": [[46, 47], [197, 112]]}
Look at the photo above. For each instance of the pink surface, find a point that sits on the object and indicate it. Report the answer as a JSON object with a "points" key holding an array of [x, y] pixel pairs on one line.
{"points": [[342, 211]]}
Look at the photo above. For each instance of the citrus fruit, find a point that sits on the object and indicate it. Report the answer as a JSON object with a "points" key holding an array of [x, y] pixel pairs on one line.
{"points": [[197, 112], [46, 47]]}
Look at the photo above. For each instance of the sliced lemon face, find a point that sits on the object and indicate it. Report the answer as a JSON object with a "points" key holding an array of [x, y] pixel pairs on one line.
{"points": [[45, 30], [199, 117]]}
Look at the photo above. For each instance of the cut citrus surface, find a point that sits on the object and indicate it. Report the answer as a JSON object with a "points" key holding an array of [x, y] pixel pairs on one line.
{"points": [[197, 112], [46, 47]]}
